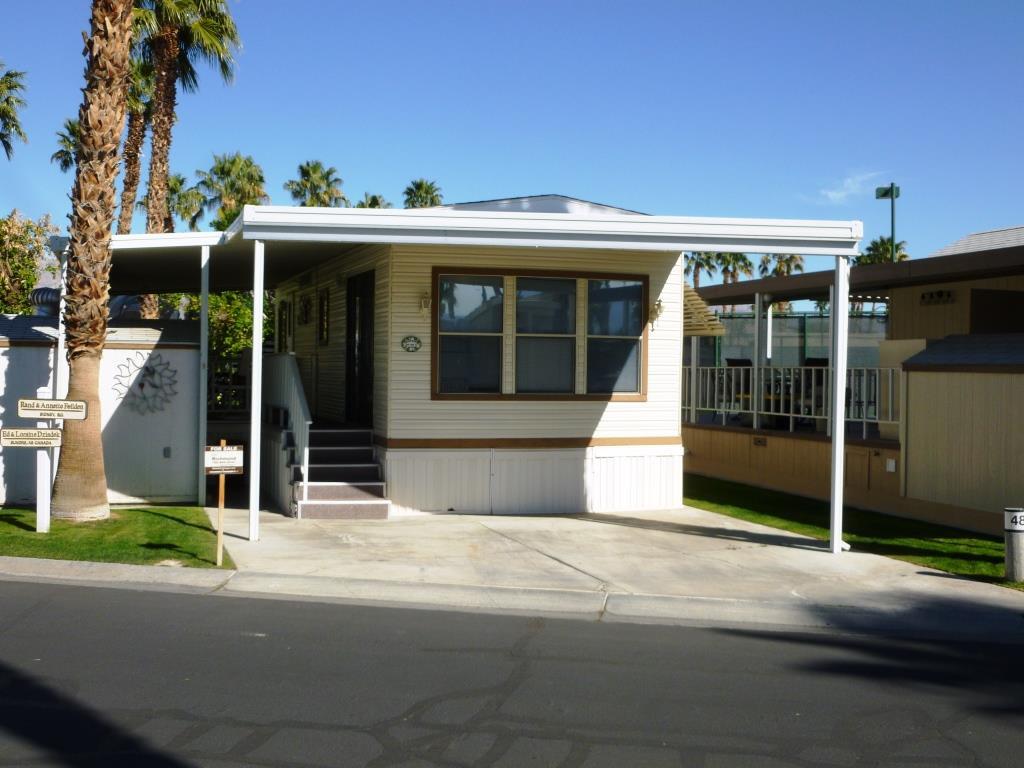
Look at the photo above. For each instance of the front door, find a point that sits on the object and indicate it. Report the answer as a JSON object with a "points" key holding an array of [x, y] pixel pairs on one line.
{"points": [[359, 349]]}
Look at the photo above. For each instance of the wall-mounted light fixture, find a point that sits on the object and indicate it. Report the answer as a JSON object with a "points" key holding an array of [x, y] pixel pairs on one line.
{"points": [[425, 302], [655, 311]]}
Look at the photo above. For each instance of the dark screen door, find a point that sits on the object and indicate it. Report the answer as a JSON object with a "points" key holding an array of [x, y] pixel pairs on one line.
{"points": [[359, 349]]}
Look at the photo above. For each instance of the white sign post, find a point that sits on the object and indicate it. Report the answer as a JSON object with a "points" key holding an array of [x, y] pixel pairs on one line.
{"points": [[44, 461], [223, 460]]}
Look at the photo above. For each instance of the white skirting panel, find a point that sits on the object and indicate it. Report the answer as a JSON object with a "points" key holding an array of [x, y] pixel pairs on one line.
{"points": [[531, 482]]}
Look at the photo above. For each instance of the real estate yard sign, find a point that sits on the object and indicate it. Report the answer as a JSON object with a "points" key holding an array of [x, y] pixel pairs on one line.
{"points": [[222, 460]]}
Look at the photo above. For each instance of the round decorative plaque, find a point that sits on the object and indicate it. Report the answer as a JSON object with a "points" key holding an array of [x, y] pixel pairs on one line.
{"points": [[411, 343]]}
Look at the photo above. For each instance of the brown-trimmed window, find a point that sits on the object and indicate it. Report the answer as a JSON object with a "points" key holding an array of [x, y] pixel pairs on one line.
{"points": [[615, 326], [470, 326], [545, 335]]}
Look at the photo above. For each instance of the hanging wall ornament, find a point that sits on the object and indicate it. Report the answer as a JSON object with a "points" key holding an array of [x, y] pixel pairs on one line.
{"points": [[145, 383]]}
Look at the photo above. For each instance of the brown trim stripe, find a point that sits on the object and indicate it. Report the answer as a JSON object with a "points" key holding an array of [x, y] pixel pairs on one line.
{"points": [[522, 442]]}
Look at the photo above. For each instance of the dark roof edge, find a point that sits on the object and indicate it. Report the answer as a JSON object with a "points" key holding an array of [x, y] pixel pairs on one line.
{"points": [[875, 277]]}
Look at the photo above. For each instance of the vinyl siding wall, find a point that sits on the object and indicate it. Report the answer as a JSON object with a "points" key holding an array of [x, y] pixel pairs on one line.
{"points": [[965, 439], [323, 366], [910, 319], [412, 413]]}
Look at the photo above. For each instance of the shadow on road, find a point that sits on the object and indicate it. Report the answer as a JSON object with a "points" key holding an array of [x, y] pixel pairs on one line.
{"points": [[70, 734], [969, 648]]}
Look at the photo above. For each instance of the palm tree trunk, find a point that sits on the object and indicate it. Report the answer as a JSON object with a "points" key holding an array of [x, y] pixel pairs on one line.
{"points": [[80, 489], [166, 46], [132, 161]]}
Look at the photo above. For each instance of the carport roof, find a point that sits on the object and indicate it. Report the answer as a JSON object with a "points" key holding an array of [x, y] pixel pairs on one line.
{"points": [[296, 238], [986, 254]]}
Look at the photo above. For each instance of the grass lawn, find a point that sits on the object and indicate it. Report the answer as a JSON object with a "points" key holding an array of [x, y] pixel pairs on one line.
{"points": [[137, 535], [963, 553]]}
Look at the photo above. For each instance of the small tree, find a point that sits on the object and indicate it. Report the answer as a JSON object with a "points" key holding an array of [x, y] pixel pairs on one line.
{"points": [[23, 249]]}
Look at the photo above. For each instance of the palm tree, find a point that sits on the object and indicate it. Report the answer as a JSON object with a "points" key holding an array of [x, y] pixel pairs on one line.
{"points": [[80, 488], [422, 194], [732, 265], [67, 145], [183, 202], [373, 201], [317, 186], [12, 85], [780, 265], [232, 182], [140, 93], [698, 262], [173, 35], [879, 251]]}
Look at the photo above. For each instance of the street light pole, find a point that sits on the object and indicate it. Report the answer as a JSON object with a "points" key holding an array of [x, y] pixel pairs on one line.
{"points": [[890, 192]]}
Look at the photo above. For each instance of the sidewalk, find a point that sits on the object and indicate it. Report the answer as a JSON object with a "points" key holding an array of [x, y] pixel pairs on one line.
{"points": [[682, 566]]}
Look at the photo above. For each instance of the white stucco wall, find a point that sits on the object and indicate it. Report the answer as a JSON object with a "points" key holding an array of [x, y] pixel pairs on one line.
{"points": [[134, 443]]}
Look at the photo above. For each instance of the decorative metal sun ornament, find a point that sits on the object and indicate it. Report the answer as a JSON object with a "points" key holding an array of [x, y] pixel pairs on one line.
{"points": [[145, 383]]}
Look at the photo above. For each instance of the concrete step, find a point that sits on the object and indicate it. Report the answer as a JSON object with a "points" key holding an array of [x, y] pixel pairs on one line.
{"points": [[344, 473], [349, 454], [333, 438], [367, 491], [343, 510]]}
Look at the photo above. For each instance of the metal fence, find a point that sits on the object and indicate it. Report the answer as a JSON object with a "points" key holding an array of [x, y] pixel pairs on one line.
{"points": [[790, 397]]}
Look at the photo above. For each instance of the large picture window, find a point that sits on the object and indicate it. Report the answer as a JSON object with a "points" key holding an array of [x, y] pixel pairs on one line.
{"points": [[545, 335], [470, 310], [549, 335]]}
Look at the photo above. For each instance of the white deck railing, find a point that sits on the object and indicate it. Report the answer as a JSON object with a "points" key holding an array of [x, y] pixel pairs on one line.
{"points": [[792, 395], [282, 388]]}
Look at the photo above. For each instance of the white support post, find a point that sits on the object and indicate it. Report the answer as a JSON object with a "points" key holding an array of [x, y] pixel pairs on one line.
{"points": [[61, 373], [256, 391], [831, 335], [840, 330], [694, 363], [204, 368], [44, 472], [755, 374], [768, 333]]}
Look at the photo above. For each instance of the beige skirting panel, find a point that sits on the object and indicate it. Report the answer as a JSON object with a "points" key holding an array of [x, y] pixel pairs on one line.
{"points": [[801, 465]]}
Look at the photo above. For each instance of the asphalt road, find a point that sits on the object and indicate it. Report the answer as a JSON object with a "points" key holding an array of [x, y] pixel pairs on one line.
{"points": [[116, 677]]}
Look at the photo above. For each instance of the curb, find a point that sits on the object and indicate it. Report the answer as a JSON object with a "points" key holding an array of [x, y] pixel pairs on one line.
{"points": [[154, 577], [977, 622]]}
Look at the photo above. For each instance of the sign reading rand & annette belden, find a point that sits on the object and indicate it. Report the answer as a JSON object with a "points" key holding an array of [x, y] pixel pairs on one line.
{"points": [[30, 438], [52, 409]]}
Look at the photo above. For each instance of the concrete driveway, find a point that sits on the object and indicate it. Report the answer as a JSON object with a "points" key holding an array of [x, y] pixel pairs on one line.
{"points": [[686, 565]]}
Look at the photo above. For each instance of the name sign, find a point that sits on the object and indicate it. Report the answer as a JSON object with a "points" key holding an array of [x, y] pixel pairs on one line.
{"points": [[52, 409], [30, 438], [224, 459]]}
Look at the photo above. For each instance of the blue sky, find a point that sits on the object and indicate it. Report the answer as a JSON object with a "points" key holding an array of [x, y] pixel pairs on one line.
{"points": [[782, 109]]}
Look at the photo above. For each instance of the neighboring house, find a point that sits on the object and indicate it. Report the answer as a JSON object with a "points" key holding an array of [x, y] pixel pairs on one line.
{"points": [[148, 401], [487, 360], [936, 431]]}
